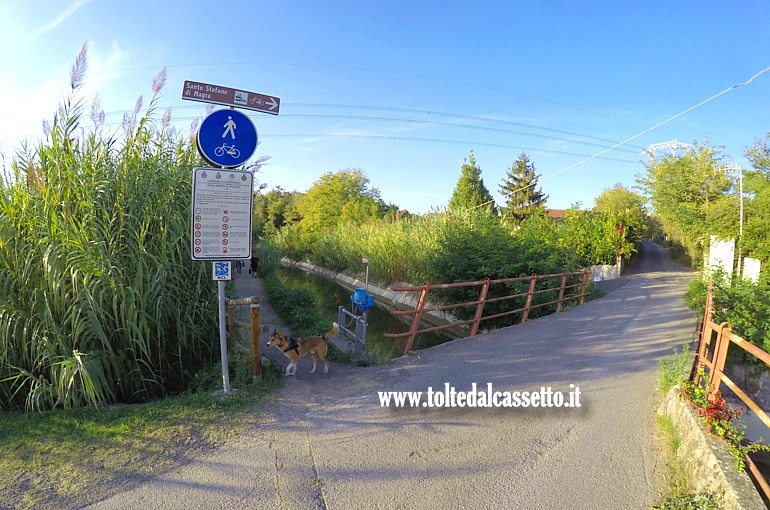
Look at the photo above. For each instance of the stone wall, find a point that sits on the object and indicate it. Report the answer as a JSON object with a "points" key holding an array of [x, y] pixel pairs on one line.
{"points": [[707, 459], [604, 272]]}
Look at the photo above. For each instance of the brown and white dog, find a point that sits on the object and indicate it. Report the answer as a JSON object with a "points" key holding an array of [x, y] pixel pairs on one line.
{"points": [[295, 348]]}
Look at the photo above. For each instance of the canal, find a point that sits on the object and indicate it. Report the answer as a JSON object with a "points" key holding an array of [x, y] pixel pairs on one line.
{"points": [[329, 296]]}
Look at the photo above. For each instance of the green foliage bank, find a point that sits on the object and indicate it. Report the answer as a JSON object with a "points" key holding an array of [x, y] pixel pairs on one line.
{"points": [[461, 245]]}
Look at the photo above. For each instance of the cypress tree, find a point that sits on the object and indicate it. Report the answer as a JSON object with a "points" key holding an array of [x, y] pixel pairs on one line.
{"points": [[470, 191]]}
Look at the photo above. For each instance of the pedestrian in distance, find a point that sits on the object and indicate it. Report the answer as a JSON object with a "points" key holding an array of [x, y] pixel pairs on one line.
{"points": [[254, 265], [238, 267]]}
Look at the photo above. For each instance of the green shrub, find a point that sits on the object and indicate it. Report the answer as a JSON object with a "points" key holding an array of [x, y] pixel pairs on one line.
{"points": [[594, 238], [484, 248], [742, 304], [297, 307], [675, 369], [269, 258], [691, 502], [695, 297]]}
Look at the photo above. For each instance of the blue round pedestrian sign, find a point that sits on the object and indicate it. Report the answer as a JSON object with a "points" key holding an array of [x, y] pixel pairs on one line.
{"points": [[227, 138]]}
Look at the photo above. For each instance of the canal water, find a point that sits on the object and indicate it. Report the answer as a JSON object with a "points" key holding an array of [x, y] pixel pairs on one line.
{"points": [[329, 296]]}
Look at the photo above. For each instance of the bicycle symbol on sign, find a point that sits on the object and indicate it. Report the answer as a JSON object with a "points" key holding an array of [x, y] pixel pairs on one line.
{"points": [[222, 270], [227, 149]]}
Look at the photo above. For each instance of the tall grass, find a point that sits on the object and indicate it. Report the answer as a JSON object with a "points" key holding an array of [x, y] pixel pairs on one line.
{"points": [[99, 300], [441, 247], [404, 250]]}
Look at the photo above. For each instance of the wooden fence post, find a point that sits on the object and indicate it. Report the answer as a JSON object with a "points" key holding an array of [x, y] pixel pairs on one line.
{"points": [[256, 355], [561, 292], [480, 306], [530, 293], [720, 356], [584, 286], [416, 319], [705, 333]]}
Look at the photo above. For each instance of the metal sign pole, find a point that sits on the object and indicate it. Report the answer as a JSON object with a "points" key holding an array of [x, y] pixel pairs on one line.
{"points": [[219, 145], [223, 337]]}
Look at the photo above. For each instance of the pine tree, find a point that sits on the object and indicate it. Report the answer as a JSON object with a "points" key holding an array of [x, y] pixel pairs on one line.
{"points": [[470, 191], [522, 197]]}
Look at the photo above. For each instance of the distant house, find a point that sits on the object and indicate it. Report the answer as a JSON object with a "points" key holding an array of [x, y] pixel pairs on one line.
{"points": [[556, 214], [560, 214]]}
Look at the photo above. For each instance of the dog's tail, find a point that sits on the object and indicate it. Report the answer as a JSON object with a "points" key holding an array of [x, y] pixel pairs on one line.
{"points": [[332, 332]]}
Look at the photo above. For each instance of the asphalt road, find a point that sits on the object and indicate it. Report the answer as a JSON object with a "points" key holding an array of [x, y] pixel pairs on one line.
{"points": [[324, 442]]}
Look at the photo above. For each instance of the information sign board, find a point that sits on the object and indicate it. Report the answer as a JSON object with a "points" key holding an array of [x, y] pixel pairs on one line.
{"points": [[221, 214]]}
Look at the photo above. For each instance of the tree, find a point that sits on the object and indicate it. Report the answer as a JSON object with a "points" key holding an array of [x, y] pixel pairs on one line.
{"points": [[625, 205], [337, 198], [690, 195], [756, 185], [273, 210], [522, 197], [593, 237], [470, 191]]}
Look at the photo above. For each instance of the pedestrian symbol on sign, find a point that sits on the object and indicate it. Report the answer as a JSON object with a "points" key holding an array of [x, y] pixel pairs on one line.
{"points": [[229, 127]]}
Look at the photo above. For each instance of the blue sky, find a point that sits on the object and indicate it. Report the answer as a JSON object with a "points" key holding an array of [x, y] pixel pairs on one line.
{"points": [[405, 90]]}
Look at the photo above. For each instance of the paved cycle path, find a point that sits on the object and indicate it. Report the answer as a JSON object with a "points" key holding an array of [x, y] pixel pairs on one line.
{"points": [[324, 442]]}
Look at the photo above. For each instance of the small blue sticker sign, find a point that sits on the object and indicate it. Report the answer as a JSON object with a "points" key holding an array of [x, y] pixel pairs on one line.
{"points": [[221, 271], [227, 138]]}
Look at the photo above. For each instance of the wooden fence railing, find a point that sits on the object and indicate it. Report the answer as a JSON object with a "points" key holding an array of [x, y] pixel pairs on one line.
{"points": [[257, 360], [717, 348], [564, 279]]}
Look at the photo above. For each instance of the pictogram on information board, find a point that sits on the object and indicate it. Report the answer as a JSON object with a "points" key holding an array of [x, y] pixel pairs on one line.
{"points": [[221, 214]]}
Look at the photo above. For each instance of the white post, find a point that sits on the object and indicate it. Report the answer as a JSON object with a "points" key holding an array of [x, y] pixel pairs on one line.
{"points": [[223, 337], [740, 228]]}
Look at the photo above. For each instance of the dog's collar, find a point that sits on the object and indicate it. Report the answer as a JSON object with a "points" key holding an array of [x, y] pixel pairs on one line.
{"points": [[293, 346]]}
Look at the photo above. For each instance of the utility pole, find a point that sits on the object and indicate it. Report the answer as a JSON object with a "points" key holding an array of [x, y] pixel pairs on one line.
{"points": [[740, 224], [739, 169]]}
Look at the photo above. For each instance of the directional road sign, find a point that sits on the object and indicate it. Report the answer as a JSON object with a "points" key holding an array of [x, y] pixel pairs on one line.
{"points": [[227, 138], [221, 214], [207, 93]]}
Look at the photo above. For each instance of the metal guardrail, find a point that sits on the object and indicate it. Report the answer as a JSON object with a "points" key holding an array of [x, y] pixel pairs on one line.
{"points": [[716, 376], [345, 319], [420, 308]]}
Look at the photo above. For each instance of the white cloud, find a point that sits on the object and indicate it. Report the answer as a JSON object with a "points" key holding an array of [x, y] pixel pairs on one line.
{"points": [[61, 18]]}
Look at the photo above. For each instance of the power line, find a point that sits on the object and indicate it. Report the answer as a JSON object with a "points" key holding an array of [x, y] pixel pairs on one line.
{"points": [[674, 117], [452, 115], [286, 105], [368, 70], [450, 124], [437, 140]]}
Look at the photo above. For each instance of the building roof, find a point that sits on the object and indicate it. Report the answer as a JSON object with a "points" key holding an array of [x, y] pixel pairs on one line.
{"points": [[556, 214]]}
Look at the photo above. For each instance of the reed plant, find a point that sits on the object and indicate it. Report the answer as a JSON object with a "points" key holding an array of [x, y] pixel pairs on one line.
{"points": [[99, 299]]}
